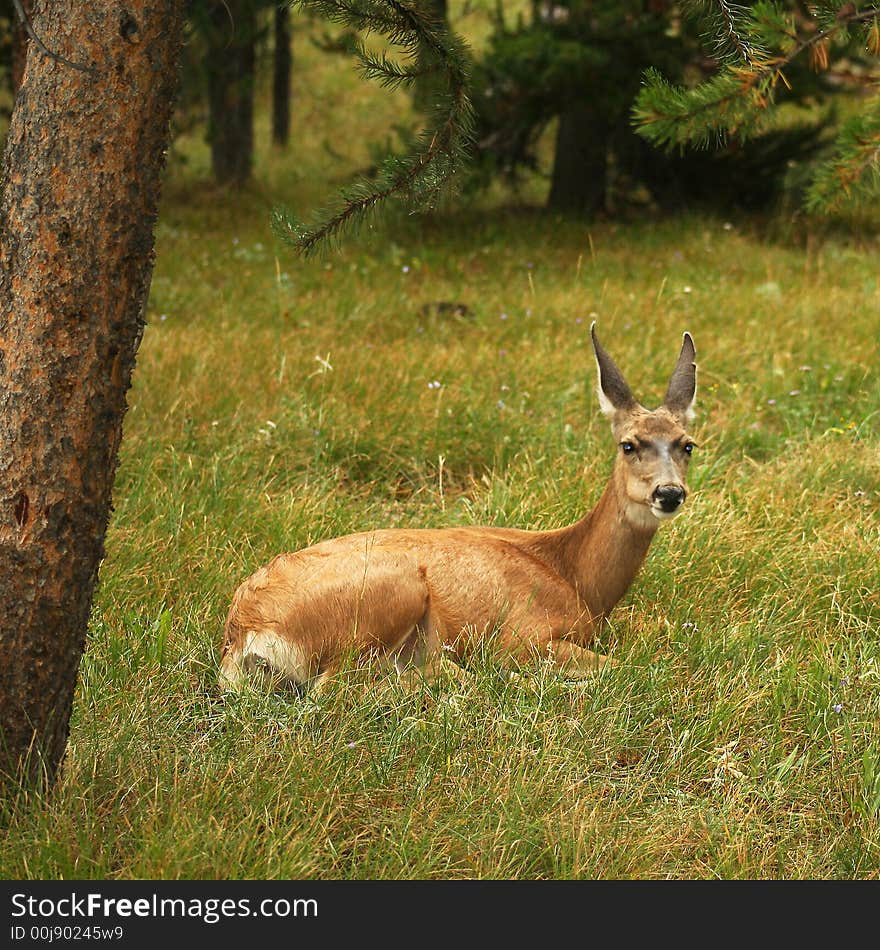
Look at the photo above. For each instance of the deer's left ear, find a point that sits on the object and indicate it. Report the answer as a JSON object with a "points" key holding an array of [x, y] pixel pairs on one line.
{"points": [[682, 391]]}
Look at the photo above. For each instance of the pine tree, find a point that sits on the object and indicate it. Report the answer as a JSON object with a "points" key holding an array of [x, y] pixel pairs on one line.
{"points": [[578, 62], [759, 48]]}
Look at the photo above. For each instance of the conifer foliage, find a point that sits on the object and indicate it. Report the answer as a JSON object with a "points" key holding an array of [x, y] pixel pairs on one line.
{"points": [[576, 63], [579, 64], [421, 176], [758, 48]]}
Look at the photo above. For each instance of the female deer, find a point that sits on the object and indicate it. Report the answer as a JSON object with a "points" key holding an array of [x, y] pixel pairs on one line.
{"points": [[406, 594]]}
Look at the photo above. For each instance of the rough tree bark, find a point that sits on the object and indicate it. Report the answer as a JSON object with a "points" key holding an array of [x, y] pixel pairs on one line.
{"points": [[230, 62], [281, 77], [580, 162], [82, 171]]}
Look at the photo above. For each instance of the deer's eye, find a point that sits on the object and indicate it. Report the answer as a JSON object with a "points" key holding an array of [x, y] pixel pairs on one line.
{"points": [[689, 448], [628, 448]]}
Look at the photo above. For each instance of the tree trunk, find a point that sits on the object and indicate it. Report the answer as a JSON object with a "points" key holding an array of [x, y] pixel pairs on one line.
{"points": [[281, 77], [19, 45], [82, 171], [580, 163], [230, 65]]}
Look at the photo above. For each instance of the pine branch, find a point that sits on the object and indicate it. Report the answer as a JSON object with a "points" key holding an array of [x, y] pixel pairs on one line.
{"points": [[727, 30], [420, 176], [361, 15], [773, 27], [733, 101], [828, 15], [388, 72], [671, 116], [853, 174], [736, 100]]}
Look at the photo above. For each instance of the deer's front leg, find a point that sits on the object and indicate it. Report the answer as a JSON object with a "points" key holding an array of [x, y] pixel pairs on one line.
{"points": [[570, 660], [544, 638], [438, 670], [575, 662]]}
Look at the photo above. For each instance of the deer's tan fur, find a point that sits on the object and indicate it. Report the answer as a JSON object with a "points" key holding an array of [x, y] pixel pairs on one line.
{"points": [[409, 594]]}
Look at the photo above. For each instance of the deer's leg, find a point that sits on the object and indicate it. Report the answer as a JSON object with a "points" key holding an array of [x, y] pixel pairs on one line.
{"points": [[549, 631], [413, 654], [573, 661], [569, 659], [422, 655], [323, 680]]}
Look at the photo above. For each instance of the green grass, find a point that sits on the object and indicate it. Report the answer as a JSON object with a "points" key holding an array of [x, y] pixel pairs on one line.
{"points": [[277, 402]]}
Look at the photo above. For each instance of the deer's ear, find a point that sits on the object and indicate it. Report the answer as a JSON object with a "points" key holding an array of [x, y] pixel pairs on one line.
{"points": [[614, 394], [682, 391]]}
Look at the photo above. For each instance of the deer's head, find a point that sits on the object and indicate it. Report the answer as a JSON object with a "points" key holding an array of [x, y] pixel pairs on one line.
{"points": [[653, 446]]}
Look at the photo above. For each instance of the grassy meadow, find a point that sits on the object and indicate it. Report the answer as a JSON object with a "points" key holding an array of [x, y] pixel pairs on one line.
{"points": [[277, 402]]}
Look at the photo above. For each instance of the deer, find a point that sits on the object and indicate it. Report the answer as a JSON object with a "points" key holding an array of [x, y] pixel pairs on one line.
{"points": [[409, 596]]}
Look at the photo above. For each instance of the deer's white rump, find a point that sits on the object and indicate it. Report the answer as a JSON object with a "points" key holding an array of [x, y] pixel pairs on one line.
{"points": [[408, 594]]}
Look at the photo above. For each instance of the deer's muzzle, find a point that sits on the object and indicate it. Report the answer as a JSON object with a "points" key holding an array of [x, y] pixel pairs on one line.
{"points": [[668, 498]]}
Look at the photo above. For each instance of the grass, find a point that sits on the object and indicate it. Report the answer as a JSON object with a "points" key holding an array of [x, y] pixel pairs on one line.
{"points": [[277, 402]]}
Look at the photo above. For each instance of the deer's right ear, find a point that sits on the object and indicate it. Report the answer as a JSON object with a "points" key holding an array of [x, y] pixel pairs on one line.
{"points": [[682, 391], [614, 394]]}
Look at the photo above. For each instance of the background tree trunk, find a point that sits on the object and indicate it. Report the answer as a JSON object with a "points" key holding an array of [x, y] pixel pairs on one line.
{"points": [[230, 65], [427, 87], [281, 64], [19, 45], [82, 171], [580, 162]]}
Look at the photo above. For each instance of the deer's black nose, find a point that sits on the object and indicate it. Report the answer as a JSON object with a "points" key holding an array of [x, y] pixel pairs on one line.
{"points": [[669, 497]]}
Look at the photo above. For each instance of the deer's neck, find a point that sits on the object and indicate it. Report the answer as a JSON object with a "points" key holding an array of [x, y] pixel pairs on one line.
{"points": [[601, 554]]}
